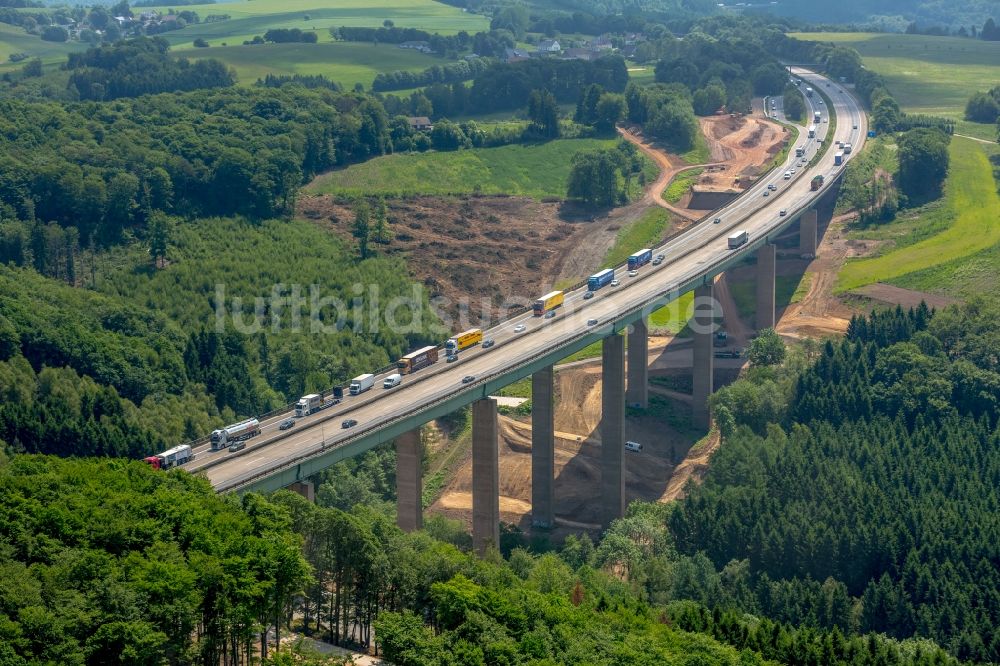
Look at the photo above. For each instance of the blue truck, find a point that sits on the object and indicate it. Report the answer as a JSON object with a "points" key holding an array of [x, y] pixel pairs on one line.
{"points": [[640, 258], [602, 279]]}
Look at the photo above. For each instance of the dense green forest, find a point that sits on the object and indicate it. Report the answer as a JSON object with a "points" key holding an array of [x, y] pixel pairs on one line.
{"points": [[112, 562], [876, 470], [106, 561], [138, 362]]}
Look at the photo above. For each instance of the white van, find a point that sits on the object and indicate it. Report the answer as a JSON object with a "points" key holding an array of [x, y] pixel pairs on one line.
{"points": [[634, 447], [392, 381]]}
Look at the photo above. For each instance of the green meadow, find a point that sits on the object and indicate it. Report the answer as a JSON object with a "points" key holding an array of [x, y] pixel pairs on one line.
{"points": [[534, 170], [934, 75], [346, 63], [15, 40], [944, 236], [256, 17]]}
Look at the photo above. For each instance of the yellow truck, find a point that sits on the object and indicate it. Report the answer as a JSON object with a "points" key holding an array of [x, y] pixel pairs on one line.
{"points": [[463, 340], [549, 301]]}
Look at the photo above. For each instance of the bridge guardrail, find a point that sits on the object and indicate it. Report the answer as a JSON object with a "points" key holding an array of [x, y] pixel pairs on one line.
{"points": [[716, 267]]}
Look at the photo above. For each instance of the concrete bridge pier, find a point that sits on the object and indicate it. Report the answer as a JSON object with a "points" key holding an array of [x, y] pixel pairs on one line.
{"points": [[808, 233], [637, 392], [485, 477], [304, 488], [542, 449], [766, 257], [702, 379], [409, 481], [613, 428]]}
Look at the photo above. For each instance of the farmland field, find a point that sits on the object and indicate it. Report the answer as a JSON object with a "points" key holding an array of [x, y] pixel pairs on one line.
{"points": [[344, 62], [15, 40], [967, 213], [538, 170], [934, 75], [254, 18]]}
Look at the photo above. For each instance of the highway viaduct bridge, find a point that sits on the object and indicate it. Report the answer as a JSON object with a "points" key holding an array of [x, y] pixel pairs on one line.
{"points": [[692, 261]]}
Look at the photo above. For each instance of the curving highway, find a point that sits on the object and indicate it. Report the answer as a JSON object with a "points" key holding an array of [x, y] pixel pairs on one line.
{"points": [[275, 458]]}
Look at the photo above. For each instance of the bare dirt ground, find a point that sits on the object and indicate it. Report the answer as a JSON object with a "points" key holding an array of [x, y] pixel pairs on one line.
{"points": [[658, 473], [490, 252], [740, 147], [745, 144], [670, 167], [821, 313], [577, 459], [907, 298]]}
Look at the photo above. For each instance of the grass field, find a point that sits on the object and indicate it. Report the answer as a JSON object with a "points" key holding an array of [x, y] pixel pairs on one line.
{"points": [[935, 75], [965, 223], [680, 185], [647, 231], [254, 18], [15, 40], [538, 170], [344, 62]]}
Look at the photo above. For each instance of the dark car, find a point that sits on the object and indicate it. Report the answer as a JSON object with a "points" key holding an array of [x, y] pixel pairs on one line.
{"points": [[468, 379], [348, 423], [550, 314], [589, 295], [488, 342], [286, 424], [452, 358]]}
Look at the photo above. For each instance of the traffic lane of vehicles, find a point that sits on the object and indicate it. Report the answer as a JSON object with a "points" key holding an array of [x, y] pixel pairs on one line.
{"points": [[512, 325], [308, 440], [483, 364]]}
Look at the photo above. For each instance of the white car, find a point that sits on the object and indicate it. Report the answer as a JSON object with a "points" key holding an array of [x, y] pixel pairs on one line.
{"points": [[772, 187], [520, 328], [633, 273], [782, 212], [615, 283]]}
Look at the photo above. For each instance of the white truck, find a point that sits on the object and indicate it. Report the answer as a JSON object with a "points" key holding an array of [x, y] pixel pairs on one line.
{"points": [[238, 431], [392, 381], [817, 116], [737, 239], [812, 131], [171, 457], [847, 149], [362, 383], [308, 404]]}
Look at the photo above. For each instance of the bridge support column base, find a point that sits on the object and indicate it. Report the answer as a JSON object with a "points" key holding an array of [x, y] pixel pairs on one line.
{"points": [[485, 477], [766, 258], [542, 449], [809, 233], [637, 393], [702, 369], [613, 429], [409, 481], [304, 488]]}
